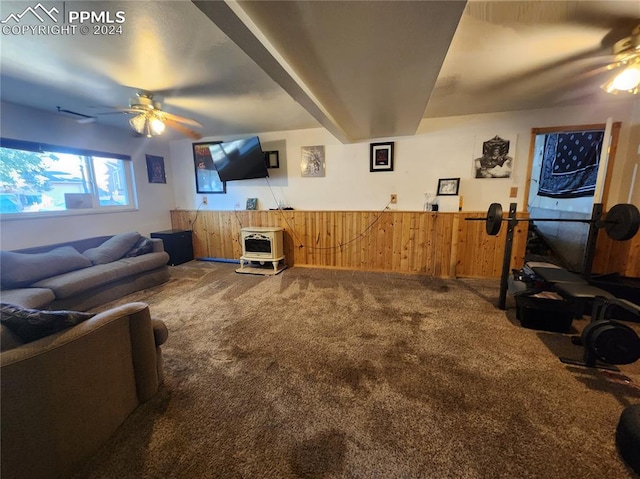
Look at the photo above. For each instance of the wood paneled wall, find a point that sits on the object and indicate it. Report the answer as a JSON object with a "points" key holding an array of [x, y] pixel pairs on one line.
{"points": [[621, 257], [417, 242]]}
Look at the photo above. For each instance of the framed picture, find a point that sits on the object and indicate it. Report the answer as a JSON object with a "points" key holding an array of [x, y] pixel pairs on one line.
{"points": [[381, 157], [272, 159], [448, 186], [312, 162], [155, 169], [252, 203], [493, 157], [207, 179]]}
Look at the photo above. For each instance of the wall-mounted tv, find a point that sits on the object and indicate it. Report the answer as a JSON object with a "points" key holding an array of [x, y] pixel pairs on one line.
{"points": [[241, 159]]}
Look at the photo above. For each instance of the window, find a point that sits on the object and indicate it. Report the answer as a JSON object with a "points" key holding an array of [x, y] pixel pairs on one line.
{"points": [[38, 179]]}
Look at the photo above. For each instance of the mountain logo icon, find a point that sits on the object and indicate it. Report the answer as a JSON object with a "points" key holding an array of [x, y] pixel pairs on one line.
{"points": [[38, 11]]}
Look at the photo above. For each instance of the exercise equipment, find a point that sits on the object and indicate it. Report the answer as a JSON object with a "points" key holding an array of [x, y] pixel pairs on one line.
{"points": [[607, 342], [628, 436], [622, 221]]}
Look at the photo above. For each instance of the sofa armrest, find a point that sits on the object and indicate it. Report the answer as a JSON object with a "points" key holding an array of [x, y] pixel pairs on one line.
{"points": [[158, 245], [143, 347], [60, 340]]}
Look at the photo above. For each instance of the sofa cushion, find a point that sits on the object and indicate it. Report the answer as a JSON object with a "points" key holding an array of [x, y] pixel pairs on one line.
{"points": [[23, 269], [77, 282], [143, 246], [38, 298], [113, 249], [32, 324]]}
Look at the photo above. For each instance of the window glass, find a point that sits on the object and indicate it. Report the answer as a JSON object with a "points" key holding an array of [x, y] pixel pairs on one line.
{"points": [[34, 180]]}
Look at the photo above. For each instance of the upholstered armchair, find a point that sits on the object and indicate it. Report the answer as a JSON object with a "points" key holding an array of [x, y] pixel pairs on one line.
{"points": [[62, 396]]}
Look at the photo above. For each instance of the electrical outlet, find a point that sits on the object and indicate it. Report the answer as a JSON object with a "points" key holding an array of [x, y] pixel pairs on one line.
{"points": [[514, 192], [205, 200], [394, 199]]}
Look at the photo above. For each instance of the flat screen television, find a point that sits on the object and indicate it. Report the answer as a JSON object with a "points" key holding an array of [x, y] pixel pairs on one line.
{"points": [[241, 159]]}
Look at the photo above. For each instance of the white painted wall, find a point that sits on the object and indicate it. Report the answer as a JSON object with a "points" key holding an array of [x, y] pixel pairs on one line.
{"points": [[442, 148], [154, 200]]}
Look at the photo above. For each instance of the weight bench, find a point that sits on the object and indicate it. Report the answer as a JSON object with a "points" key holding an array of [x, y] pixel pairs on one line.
{"points": [[573, 288], [605, 342]]}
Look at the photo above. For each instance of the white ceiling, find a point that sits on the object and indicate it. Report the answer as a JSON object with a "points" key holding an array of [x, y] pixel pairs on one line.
{"points": [[361, 69]]}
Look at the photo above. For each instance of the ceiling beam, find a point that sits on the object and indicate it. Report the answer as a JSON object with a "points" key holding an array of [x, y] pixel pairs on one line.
{"points": [[237, 25]]}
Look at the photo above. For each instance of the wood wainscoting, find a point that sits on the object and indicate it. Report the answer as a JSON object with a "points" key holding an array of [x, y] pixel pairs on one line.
{"points": [[414, 242], [622, 257]]}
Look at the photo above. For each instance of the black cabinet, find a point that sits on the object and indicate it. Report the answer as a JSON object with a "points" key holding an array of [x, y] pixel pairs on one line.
{"points": [[178, 244]]}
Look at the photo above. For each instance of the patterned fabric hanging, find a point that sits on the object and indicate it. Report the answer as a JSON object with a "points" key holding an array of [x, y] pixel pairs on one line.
{"points": [[570, 164]]}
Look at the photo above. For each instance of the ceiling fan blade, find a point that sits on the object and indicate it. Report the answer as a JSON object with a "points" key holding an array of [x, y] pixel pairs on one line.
{"points": [[539, 71], [181, 119], [118, 112], [109, 107], [611, 69], [197, 89], [182, 129]]}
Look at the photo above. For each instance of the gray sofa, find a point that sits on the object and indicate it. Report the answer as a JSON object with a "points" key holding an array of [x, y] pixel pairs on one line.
{"points": [[64, 395], [82, 274]]}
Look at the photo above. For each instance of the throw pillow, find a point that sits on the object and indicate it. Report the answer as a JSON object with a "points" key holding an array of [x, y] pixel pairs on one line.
{"points": [[32, 324], [8, 339], [23, 269], [143, 246], [113, 249]]}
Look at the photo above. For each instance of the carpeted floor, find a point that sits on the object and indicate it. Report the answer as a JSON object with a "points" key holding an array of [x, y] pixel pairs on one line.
{"points": [[335, 374]]}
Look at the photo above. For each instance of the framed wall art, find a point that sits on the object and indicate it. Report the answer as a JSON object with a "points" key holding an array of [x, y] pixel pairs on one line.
{"points": [[207, 179], [493, 157], [272, 159], [448, 186], [155, 169], [381, 156], [312, 161], [252, 203]]}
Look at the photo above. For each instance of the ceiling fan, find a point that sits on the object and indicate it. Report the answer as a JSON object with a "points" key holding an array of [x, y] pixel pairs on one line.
{"points": [[619, 69], [627, 65], [568, 78], [150, 120]]}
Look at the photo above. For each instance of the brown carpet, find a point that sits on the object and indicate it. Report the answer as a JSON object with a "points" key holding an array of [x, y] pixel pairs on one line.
{"points": [[334, 374]]}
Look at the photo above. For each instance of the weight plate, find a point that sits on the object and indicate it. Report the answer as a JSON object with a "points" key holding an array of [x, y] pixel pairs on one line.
{"points": [[622, 222], [589, 329], [615, 343], [494, 219]]}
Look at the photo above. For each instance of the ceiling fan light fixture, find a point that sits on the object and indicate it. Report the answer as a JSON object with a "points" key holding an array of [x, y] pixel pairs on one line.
{"points": [[628, 80], [138, 123], [147, 124], [150, 120], [627, 52], [157, 126]]}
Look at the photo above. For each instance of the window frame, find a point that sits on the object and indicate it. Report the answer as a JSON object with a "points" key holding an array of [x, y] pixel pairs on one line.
{"points": [[39, 147]]}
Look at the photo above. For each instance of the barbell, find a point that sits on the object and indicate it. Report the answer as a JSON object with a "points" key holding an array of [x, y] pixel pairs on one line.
{"points": [[621, 223]]}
